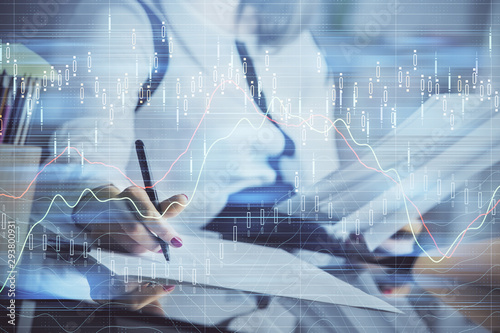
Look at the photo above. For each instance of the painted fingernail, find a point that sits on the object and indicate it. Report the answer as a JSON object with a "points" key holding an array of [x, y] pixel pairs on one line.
{"points": [[168, 288], [160, 251], [176, 242], [387, 291], [185, 196]]}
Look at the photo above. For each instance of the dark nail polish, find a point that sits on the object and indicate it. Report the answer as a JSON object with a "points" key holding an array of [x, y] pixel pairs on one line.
{"points": [[168, 288], [176, 242], [186, 196], [387, 291]]}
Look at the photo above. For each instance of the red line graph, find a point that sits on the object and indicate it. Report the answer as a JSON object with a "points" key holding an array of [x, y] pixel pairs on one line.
{"points": [[272, 120]]}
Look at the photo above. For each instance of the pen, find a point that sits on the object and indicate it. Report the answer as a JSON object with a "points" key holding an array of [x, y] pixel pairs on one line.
{"points": [[148, 184]]}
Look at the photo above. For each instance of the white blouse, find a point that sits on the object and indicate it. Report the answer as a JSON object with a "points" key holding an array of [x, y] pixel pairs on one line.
{"points": [[204, 135]]}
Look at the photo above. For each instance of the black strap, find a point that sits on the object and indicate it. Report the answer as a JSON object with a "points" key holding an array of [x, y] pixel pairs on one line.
{"points": [[260, 99], [162, 52]]}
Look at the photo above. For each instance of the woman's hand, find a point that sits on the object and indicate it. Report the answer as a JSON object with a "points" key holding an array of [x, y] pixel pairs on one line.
{"points": [[118, 220], [131, 296]]}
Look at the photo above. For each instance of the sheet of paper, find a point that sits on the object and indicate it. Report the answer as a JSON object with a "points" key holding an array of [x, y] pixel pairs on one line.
{"points": [[232, 265], [425, 153]]}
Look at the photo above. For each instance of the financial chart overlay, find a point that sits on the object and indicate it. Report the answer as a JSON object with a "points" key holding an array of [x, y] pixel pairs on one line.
{"points": [[323, 167]]}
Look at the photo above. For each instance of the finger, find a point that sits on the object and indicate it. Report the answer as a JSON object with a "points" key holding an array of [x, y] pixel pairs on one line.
{"points": [[91, 212], [139, 202], [414, 227], [131, 245], [154, 308], [147, 294], [90, 207], [119, 230], [114, 222], [137, 237], [108, 213], [125, 237], [116, 239], [136, 234], [151, 217], [119, 220], [106, 192], [173, 206]]}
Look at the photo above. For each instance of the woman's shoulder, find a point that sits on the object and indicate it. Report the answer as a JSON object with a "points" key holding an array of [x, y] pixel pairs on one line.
{"points": [[125, 11]]}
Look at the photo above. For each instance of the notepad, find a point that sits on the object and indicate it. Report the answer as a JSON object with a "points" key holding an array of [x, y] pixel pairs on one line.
{"points": [[212, 262]]}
